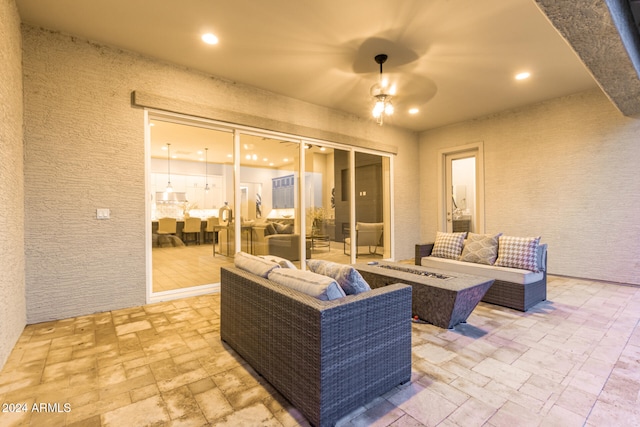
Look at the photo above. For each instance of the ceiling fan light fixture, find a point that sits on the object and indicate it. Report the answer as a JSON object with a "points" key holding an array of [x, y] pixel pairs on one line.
{"points": [[388, 108], [382, 94], [378, 109]]}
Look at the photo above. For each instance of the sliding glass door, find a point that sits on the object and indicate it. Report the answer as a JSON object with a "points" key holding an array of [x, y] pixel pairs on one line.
{"points": [[190, 181], [371, 239], [270, 217], [216, 189]]}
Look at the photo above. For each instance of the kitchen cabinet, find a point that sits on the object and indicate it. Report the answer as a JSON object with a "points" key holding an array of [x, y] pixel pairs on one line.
{"points": [[283, 192]]}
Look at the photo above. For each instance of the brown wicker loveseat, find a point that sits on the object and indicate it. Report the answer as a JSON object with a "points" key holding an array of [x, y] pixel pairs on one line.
{"points": [[326, 357]]}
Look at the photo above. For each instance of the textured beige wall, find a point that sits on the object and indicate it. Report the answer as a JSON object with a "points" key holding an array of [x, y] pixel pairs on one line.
{"points": [[12, 296], [85, 150], [566, 169]]}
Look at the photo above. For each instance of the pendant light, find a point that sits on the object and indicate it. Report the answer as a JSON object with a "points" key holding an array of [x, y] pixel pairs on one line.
{"points": [[382, 94], [169, 188], [206, 170]]}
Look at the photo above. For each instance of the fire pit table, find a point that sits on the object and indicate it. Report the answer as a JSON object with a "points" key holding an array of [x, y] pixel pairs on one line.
{"points": [[440, 297]]}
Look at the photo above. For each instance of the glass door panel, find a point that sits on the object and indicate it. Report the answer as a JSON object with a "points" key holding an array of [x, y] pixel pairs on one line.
{"points": [[269, 174], [372, 207], [461, 192], [190, 180], [325, 211]]}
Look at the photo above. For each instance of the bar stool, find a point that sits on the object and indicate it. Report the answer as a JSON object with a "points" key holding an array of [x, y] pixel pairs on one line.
{"points": [[192, 226], [212, 221], [166, 228]]}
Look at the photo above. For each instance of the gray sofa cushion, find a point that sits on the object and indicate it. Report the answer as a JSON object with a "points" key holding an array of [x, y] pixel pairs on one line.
{"points": [[349, 279], [316, 285], [254, 264], [506, 274], [282, 262]]}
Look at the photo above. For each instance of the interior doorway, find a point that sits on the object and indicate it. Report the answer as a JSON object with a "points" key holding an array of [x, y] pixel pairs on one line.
{"points": [[461, 189]]}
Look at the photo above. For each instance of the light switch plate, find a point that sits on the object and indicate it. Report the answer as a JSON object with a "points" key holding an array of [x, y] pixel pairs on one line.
{"points": [[103, 213]]}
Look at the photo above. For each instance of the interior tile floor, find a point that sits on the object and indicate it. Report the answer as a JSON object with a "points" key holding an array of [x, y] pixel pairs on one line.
{"points": [[182, 267], [571, 361]]}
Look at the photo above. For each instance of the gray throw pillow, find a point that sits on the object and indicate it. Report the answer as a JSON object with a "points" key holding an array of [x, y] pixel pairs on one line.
{"points": [[283, 228], [349, 279], [270, 229], [481, 248]]}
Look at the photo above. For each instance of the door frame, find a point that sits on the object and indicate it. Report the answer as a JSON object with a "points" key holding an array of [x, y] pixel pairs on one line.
{"points": [[474, 149]]}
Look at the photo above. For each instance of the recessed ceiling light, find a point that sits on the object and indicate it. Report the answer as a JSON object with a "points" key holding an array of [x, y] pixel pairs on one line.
{"points": [[209, 38], [413, 111], [323, 149], [522, 76]]}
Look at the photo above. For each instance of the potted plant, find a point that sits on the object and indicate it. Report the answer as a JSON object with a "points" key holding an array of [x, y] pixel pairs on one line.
{"points": [[318, 216]]}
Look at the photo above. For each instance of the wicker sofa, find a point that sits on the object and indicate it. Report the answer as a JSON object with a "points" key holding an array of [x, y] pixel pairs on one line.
{"points": [[326, 357], [513, 288]]}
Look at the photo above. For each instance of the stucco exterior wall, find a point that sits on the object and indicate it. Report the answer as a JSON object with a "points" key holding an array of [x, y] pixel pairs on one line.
{"points": [[12, 281], [84, 147], [565, 169]]}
